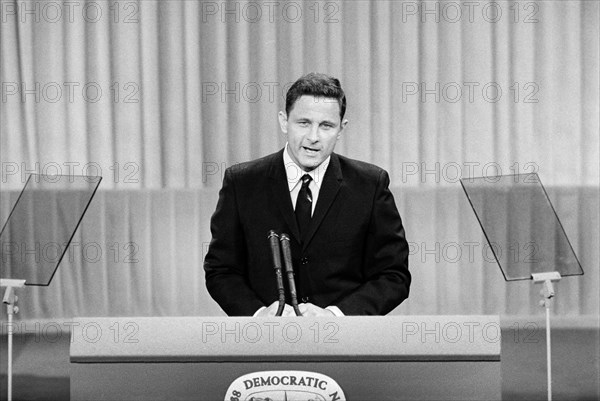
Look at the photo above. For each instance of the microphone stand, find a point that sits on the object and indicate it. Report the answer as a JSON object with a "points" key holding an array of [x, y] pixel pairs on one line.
{"points": [[274, 241], [287, 259]]}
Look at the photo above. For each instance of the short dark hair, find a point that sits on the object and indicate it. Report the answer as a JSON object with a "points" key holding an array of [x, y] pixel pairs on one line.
{"points": [[318, 85]]}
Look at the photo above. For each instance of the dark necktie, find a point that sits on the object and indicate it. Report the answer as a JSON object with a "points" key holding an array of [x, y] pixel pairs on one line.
{"points": [[304, 205]]}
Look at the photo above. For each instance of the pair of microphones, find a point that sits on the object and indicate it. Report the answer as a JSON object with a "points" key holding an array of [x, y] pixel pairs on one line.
{"points": [[286, 251]]}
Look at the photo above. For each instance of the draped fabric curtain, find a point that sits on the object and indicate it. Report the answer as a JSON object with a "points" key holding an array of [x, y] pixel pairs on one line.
{"points": [[160, 97], [169, 93]]}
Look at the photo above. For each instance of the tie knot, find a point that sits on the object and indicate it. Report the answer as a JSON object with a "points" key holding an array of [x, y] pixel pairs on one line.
{"points": [[306, 180]]}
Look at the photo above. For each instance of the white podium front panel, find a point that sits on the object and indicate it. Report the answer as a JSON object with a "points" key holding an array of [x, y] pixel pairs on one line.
{"points": [[379, 358]]}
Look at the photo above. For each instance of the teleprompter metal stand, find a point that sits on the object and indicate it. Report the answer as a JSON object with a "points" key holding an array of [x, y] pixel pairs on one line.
{"points": [[70, 196], [515, 212], [547, 292], [10, 299]]}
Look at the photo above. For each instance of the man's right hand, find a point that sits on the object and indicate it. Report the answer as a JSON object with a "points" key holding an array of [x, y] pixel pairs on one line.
{"points": [[271, 310]]}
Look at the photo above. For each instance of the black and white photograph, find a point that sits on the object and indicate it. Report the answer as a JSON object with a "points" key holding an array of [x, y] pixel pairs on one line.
{"points": [[300, 200]]}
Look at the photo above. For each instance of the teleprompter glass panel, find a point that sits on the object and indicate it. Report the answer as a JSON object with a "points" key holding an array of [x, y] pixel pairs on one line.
{"points": [[41, 225], [521, 226]]}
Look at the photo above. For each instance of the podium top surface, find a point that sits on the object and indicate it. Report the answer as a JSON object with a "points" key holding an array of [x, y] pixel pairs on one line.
{"points": [[233, 339]]}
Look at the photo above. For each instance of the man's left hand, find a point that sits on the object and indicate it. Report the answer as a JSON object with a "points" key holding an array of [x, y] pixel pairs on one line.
{"points": [[309, 309]]}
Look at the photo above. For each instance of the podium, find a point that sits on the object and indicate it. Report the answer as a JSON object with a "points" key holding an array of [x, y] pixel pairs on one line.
{"points": [[371, 358]]}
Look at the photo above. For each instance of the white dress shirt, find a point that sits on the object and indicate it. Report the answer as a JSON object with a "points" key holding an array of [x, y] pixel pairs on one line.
{"points": [[294, 175]]}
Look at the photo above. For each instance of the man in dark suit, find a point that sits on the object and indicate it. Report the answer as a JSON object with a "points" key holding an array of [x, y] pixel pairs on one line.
{"points": [[350, 254]]}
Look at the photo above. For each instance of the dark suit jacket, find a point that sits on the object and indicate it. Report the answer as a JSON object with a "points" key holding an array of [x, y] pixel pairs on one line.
{"points": [[354, 254]]}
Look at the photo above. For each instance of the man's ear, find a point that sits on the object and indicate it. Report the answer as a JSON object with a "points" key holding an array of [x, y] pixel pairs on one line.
{"points": [[283, 121], [342, 127]]}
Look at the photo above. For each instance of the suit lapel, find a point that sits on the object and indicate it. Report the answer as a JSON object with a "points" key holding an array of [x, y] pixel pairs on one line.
{"points": [[328, 192], [281, 193]]}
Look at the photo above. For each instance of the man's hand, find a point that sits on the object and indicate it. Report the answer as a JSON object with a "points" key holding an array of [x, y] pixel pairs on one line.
{"points": [[271, 310], [309, 309]]}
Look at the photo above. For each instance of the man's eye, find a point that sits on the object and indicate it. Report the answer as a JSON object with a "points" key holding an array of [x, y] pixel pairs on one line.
{"points": [[303, 123]]}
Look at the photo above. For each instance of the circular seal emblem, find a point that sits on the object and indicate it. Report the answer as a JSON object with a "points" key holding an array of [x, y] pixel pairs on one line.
{"points": [[284, 385]]}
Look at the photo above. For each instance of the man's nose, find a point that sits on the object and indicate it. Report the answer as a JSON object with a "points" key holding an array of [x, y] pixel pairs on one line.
{"points": [[313, 134]]}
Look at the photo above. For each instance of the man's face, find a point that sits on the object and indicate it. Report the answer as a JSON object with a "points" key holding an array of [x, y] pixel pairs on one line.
{"points": [[312, 127]]}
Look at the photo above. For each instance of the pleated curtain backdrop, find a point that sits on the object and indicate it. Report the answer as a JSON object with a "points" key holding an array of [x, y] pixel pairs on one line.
{"points": [[161, 97]]}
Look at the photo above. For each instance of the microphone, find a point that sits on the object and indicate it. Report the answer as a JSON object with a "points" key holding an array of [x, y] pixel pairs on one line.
{"points": [[274, 241], [287, 259]]}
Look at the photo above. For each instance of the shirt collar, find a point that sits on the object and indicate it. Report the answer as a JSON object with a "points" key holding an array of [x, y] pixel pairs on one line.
{"points": [[294, 172]]}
